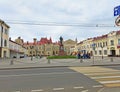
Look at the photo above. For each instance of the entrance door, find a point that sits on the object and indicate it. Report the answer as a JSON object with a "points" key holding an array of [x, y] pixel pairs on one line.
{"points": [[5, 54], [113, 52]]}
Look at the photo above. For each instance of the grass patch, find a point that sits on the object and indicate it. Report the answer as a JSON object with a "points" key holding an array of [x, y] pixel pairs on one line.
{"points": [[61, 57]]}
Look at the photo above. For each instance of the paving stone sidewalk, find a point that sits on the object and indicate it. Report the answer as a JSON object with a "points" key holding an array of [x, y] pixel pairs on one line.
{"points": [[43, 62]]}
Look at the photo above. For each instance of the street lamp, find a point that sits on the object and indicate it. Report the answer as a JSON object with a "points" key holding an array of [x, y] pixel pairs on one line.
{"points": [[102, 50], [93, 47]]}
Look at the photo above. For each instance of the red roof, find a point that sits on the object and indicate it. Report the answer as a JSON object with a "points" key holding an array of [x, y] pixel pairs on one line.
{"points": [[41, 42], [100, 37], [45, 41]]}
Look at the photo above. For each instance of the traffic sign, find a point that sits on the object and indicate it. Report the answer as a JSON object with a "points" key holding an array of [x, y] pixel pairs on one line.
{"points": [[117, 11], [117, 21]]}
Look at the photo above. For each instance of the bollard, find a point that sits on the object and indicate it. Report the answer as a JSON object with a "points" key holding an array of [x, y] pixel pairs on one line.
{"points": [[48, 61], [111, 59], [11, 62], [81, 60]]}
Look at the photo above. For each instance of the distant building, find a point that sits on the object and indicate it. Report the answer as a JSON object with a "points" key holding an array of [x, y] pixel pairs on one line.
{"points": [[105, 45], [46, 47], [4, 40], [17, 50]]}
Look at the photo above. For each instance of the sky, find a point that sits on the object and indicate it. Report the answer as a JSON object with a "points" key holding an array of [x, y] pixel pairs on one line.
{"points": [[90, 16]]}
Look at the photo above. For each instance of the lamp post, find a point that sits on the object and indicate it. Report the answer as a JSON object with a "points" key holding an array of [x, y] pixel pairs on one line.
{"points": [[102, 50], [93, 47]]}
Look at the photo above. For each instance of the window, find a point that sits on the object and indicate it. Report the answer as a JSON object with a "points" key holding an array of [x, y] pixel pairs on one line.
{"points": [[6, 31], [106, 43], [112, 42], [5, 43], [95, 52], [105, 52], [100, 52], [119, 41]]}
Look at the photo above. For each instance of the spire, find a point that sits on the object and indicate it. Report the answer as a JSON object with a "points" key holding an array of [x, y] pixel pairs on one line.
{"points": [[50, 40], [76, 40]]}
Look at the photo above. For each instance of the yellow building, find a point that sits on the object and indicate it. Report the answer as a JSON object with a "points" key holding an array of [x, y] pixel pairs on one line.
{"points": [[4, 39], [105, 45], [118, 43], [68, 44], [100, 45]]}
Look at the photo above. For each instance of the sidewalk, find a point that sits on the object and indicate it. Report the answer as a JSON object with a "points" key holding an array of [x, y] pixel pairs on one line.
{"points": [[45, 63]]}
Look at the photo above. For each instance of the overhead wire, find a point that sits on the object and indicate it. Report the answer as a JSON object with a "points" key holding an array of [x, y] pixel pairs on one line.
{"points": [[58, 24]]}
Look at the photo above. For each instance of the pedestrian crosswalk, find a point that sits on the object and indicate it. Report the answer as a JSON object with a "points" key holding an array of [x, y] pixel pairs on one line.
{"points": [[106, 76]]}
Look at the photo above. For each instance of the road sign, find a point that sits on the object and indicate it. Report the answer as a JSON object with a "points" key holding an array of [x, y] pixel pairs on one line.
{"points": [[117, 21], [117, 11]]}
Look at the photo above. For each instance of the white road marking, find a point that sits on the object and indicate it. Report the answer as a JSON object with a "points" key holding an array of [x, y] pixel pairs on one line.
{"points": [[105, 82], [17, 75], [78, 87], [99, 77], [56, 89], [97, 86], [101, 90], [39, 90], [103, 73], [17, 91], [84, 91]]}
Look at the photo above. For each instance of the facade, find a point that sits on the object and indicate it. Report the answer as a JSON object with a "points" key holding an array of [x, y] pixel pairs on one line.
{"points": [[100, 45], [16, 50], [68, 46], [105, 45], [44, 47], [4, 40]]}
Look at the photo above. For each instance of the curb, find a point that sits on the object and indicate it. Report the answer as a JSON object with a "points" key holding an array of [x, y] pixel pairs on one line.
{"points": [[31, 67], [107, 65]]}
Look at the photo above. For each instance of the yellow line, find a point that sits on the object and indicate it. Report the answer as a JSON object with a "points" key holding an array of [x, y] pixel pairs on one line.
{"points": [[107, 79], [112, 85], [95, 69]]}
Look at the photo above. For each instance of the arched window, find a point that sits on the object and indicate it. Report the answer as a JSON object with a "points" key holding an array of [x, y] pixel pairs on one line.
{"points": [[5, 43]]}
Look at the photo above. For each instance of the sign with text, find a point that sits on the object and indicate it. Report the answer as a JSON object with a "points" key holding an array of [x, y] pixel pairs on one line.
{"points": [[117, 11]]}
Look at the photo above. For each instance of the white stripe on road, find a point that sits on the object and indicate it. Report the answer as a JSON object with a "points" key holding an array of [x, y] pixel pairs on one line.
{"points": [[84, 91], [17, 75], [105, 82], [103, 73], [78, 87], [99, 77], [97, 86], [56, 89], [39, 90]]}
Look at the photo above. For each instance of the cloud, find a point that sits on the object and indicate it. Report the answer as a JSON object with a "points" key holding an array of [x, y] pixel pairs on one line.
{"points": [[84, 12]]}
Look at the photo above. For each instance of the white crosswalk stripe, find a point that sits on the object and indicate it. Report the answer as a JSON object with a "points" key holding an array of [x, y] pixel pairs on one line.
{"points": [[106, 76]]}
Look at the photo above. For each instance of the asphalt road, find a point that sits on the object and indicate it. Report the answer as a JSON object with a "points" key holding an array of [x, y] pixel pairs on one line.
{"points": [[117, 67], [46, 80]]}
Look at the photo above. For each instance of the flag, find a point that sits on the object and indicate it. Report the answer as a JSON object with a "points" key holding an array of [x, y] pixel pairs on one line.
{"points": [[117, 11]]}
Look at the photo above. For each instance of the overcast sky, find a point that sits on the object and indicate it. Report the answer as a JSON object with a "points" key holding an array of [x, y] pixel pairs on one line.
{"points": [[84, 13]]}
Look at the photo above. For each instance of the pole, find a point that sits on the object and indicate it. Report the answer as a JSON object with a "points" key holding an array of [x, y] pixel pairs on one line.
{"points": [[102, 52], [93, 59]]}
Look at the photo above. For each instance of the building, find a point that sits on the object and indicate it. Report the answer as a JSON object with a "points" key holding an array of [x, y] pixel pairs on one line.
{"points": [[4, 40], [68, 46], [17, 50], [105, 45], [44, 47]]}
